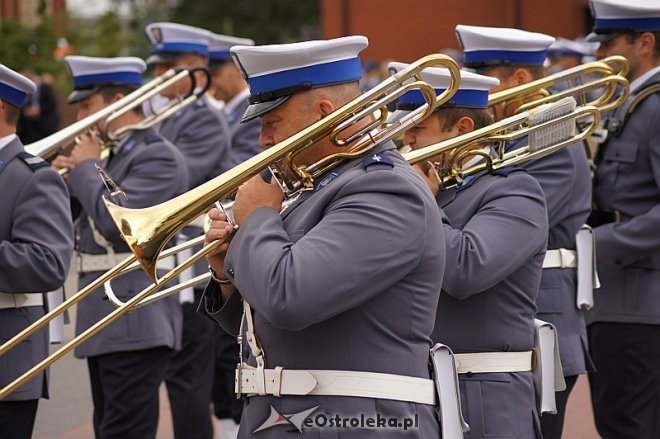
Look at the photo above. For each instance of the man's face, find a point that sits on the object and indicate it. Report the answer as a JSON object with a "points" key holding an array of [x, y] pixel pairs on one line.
{"points": [[286, 120], [429, 131], [620, 45], [90, 105], [182, 87], [222, 81], [507, 81]]}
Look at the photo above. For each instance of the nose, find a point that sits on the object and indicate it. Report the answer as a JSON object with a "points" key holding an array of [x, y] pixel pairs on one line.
{"points": [[409, 139], [266, 140]]}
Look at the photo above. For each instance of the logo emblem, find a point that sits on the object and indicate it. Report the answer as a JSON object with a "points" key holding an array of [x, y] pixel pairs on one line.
{"points": [[295, 419], [158, 34], [376, 158]]}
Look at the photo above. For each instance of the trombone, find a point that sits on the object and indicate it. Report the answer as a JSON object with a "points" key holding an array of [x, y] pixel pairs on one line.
{"points": [[611, 72], [147, 231], [545, 134], [558, 128], [459, 145], [54, 144]]}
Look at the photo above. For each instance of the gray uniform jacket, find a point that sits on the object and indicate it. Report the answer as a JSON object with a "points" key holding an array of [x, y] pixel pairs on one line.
{"points": [[202, 134], [150, 171], [628, 253], [566, 182], [244, 136], [36, 243], [348, 278], [496, 232]]}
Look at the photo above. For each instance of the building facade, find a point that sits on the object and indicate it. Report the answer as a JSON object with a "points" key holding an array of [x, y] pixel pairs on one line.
{"points": [[407, 30]]}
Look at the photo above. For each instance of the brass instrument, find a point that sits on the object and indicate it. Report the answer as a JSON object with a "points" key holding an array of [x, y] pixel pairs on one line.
{"points": [[560, 129], [148, 230], [611, 72], [66, 138], [458, 150]]}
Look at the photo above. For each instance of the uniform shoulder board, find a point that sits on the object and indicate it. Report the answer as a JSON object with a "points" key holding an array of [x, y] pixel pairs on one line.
{"points": [[508, 170], [33, 162], [377, 161], [152, 138]]}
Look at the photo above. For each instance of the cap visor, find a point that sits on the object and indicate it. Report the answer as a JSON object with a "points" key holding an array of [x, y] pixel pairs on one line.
{"points": [[257, 110], [595, 37], [158, 58], [79, 95]]}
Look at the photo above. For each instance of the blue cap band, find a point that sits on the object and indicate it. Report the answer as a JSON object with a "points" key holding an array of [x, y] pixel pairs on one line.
{"points": [[199, 48], [503, 56], [335, 72], [641, 24], [12, 95], [115, 78], [564, 52], [462, 98], [219, 54]]}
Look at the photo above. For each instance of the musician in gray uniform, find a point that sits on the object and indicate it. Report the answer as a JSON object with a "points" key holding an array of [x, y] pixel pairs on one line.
{"points": [[36, 244], [128, 360], [202, 133], [232, 89], [624, 324], [496, 230], [516, 57], [343, 283]]}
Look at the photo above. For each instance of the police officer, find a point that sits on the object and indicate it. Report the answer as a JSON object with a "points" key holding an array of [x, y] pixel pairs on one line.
{"points": [[516, 57], [496, 230], [232, 89], [564, 54], [36, 243], [625, 323], [203, 135], [345, 282], [128, 360]]}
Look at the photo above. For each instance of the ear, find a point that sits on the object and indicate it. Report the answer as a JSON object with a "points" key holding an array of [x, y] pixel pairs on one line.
{"points": [[522, 76], [325, 107], [646, 43], [117, 97], [465, 125]]}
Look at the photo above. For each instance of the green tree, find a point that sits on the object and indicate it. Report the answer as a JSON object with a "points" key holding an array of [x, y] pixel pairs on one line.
{"points": [[109, 37], [265, 21]]}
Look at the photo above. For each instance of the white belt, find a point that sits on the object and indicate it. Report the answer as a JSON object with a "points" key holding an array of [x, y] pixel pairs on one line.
{"points": [[20, 300], [560, 258], [279, 381], [91, 263], [491, 362]]}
